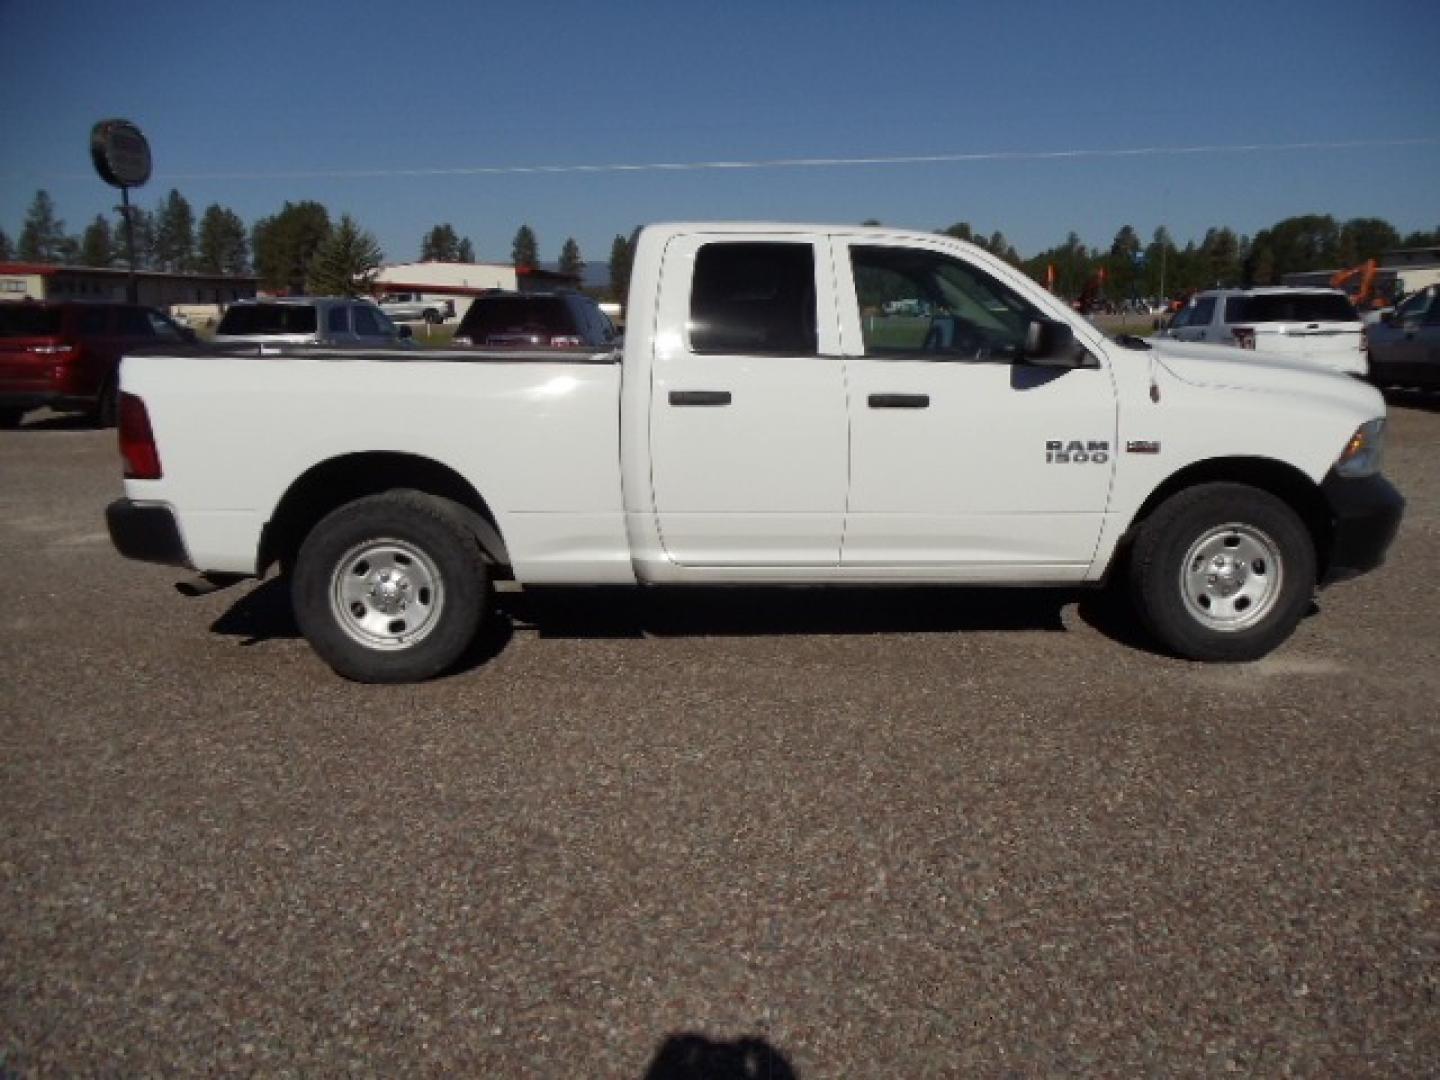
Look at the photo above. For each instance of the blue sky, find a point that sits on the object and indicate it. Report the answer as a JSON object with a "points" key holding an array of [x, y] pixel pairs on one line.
{"points": [[229, 93]]}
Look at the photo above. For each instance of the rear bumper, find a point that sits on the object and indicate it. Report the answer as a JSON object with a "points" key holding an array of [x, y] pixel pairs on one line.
{"points": [[1365, 516], [147, 532]]}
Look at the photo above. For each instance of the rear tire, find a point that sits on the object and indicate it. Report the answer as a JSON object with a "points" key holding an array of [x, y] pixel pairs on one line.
{"points": [[1222, 572], [391, 588]]}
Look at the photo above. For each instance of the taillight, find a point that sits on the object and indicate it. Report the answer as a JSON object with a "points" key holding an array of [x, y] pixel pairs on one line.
{"points": [[1244, 337], [137, 441], [562, 341]]}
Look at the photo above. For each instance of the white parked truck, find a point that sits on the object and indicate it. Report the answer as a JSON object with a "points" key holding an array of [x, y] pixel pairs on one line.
{"points": [[764, 421], [415, 307]]}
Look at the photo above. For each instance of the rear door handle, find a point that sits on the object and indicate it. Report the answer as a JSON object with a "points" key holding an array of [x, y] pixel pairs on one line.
{"points": [[899, 401], [700, 397]]}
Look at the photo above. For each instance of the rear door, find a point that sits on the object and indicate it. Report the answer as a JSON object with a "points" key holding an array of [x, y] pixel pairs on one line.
{"points": [[748, 440], [963, 458]]}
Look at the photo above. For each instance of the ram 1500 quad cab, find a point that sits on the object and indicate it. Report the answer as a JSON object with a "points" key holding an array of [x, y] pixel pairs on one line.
{"points": [[791, 405]]}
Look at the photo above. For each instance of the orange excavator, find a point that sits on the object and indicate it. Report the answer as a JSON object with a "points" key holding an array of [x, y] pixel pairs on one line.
{"points": [[1365, 294]]}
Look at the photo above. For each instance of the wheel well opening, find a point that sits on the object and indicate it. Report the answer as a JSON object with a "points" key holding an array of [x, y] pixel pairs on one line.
{"points": [[333, 483], [1285, 482]]}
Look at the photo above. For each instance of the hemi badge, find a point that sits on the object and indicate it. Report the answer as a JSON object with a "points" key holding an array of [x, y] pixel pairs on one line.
{"points": [[1142, 446]]}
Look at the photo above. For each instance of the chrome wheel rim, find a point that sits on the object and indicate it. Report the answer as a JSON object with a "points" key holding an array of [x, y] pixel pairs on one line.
{"points": [[386, 594], [1231, 577]]}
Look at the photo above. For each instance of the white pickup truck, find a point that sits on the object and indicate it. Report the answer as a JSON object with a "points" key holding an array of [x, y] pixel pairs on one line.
{"points": [[765, 421]]}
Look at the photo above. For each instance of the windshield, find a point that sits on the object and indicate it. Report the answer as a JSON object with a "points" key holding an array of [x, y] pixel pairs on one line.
{"points": [[1290, 307], [268, 319], [25, 320]]}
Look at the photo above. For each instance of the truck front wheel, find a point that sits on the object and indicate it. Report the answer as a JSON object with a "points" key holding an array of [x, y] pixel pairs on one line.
{"points": [[1222, 571], [390, 588]]}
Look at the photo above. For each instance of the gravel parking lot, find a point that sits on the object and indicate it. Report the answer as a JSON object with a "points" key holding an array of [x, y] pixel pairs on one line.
{"points": [[856, 833]]}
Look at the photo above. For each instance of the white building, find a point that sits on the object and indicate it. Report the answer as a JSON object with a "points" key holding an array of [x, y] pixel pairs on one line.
{"points": [[460, 283]]}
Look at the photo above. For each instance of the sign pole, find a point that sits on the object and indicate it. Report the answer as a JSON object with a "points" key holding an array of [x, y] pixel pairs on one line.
{"points": [[121, 156], [132, 288]]}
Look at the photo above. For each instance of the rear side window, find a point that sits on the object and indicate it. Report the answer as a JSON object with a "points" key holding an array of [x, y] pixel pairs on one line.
{"points": [[490, 315], [754, 298], [25, 320], [132, 322], [268, 319], [338, 320], [1291, 307]]}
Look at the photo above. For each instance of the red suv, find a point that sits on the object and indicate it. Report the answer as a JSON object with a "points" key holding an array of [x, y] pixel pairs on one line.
{"points": [[67, 355]]}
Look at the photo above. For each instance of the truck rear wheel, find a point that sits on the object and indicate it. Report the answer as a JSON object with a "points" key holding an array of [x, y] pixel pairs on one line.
{"points": [[390, 588], [1222, 571]]}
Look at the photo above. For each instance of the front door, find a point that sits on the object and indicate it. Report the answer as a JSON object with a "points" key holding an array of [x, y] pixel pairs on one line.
{"points": [[963, 458], [748, 440]]}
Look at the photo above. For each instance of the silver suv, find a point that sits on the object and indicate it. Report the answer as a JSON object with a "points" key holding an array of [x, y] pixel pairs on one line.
{"points": [[309, 320], [1320, 325]]}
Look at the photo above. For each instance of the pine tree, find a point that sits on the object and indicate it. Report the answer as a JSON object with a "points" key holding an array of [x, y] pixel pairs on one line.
{"points": [[43, 237], [97, 248], [526, 250], [284, 245], [622, 258], [7, 250], [440, 244], [222, 246], [144, 228], [466, 252], [570, 260], [346, 263], [174, 234]]}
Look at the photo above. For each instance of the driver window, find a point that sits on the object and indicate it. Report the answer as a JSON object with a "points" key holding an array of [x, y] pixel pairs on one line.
{"points": [[924, 303]]}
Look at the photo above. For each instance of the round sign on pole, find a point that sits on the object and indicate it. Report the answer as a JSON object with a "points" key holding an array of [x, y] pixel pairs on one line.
{"points": [[120, 152]]}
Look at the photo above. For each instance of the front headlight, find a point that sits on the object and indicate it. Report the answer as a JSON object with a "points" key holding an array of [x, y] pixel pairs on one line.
{"points": [[1362, 454]]}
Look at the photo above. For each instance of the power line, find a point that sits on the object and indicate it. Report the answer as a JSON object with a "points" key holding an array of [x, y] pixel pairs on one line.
{"points": [[809, 163]]}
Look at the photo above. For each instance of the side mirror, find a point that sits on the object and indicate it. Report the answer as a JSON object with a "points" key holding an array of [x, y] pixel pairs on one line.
{"points": [[1388, 317], [1049, 343], [405, 332]]}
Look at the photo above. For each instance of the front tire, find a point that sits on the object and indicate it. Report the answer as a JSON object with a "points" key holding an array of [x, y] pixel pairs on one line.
{"points": [[390, 588], [1223, 572]]}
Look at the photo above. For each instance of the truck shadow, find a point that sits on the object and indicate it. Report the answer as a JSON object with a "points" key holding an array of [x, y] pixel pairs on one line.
{"points": [[264, 613], [689, 1056]]}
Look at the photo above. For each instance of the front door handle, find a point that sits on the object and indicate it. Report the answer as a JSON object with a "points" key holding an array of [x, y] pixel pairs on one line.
{"points": [[899, 401], [700, 397]]}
